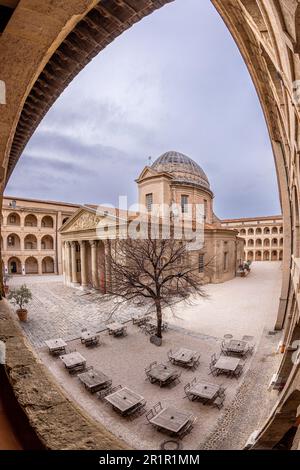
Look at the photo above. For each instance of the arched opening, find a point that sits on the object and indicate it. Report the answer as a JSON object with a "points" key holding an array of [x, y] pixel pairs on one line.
{"points": [[266, 256], [281, 230], [274, 255], [14, 219], [274, 230], [258, 242], [47, 222], [30, 242], [250, 231], [13, 242], [266, 231], [258, 231], [250, 242], [280, 255], [48, 265], [65, 220], [274, 242], [242, 232], [250, 256], [31, 266], [266, 242], [14, 266], [281, 242], [258, 256], [30, 221], [47, 243]]}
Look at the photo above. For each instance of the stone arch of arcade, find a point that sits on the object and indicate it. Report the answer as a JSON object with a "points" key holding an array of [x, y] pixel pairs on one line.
{"points": [[36, 70]]}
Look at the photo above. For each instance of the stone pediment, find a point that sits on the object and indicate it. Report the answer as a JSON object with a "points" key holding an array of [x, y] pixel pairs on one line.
{"points": [[84, 220], [148, 172]]}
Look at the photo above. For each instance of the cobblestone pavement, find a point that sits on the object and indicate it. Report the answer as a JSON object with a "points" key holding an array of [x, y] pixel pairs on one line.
{"points": [[60, 311]]}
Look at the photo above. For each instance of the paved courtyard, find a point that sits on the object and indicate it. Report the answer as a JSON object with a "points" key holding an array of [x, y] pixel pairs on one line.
{"points": [[241, 306]]}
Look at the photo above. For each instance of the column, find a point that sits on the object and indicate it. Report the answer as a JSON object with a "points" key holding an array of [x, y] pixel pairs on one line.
{"points": [[83, 264], [95, 282], [68, 263], [73, 263]]}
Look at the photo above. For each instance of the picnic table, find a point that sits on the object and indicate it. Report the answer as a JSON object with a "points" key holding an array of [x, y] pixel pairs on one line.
{"points": [[171, 419], [89, 338], [183, 356], [237, 346], [73, 361], [227, 363], [94, 380], [56, 346], [205, 390], [116, 329], [124, 400], [163, 374]]}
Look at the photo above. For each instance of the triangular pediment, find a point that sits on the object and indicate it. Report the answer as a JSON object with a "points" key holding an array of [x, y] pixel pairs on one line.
{"points": [[148, 172], [85, 219]]}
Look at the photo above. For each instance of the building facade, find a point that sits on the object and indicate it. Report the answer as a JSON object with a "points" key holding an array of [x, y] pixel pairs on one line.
{"points": [[30, 240], [263, 237], [174, 181]]}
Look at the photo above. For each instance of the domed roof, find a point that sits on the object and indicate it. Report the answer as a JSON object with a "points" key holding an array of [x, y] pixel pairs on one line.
{"points": [[182, 168]]}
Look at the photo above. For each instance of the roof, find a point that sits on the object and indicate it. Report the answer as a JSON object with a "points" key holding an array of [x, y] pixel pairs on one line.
{"points": [[182, 168]]}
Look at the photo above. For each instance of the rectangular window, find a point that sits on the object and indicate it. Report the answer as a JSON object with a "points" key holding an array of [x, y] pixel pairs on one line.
{"points": [[184, 203], [205, 209], [149, 201], [201, 263], [225, 261]]}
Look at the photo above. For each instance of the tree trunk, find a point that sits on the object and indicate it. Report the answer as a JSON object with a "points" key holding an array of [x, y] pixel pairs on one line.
{"points": [[159, 318]]}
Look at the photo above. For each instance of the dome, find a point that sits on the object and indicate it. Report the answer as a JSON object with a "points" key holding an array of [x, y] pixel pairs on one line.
{"points": [[182, 168]]}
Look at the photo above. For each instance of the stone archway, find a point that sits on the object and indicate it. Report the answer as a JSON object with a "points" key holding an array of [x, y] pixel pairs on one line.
{"points": [[14, 265], [48, 265], [31, 265], [266, 256], [267, 34], [258, 256]]}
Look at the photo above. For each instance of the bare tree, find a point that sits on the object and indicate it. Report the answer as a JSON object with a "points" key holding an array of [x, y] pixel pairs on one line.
{"points": [[156, 271]]}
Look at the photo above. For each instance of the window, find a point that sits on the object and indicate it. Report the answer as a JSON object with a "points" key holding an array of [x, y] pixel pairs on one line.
{"points": [[12, 219], [225, 261], [205, 209], [149, 201], [11, 241], [184, 203], [201, 263]]}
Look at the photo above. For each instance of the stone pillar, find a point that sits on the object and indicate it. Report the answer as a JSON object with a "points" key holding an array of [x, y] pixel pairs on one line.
{"points": [[84, 281], [95, 281], [67, 262], [73, 263]]}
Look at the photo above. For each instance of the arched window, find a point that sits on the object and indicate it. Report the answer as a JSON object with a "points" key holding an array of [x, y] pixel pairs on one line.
{"points": [[13, 242], [250, 242], [250, 231], [30, 221], [274, 230], [258, 231], [258, 256], [266, 230], [47, 243], [14, 219], [266, 242], [47, 221], [48, 265], [31, 266], [243, 232], [30, 242], [258, 242]]}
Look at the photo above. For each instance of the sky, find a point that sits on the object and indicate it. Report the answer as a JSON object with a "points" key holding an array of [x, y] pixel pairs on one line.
{"points": [[174, 81]]}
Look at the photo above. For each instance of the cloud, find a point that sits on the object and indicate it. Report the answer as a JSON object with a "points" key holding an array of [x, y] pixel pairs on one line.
{"points": [[175, 80]]}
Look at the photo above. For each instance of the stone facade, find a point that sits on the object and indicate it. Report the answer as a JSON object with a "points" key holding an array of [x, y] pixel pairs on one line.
{"points": [[263, 237], [30, 239]]}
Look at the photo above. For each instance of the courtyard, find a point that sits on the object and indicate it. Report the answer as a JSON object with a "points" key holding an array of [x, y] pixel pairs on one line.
{"points": [[242, 306]]}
